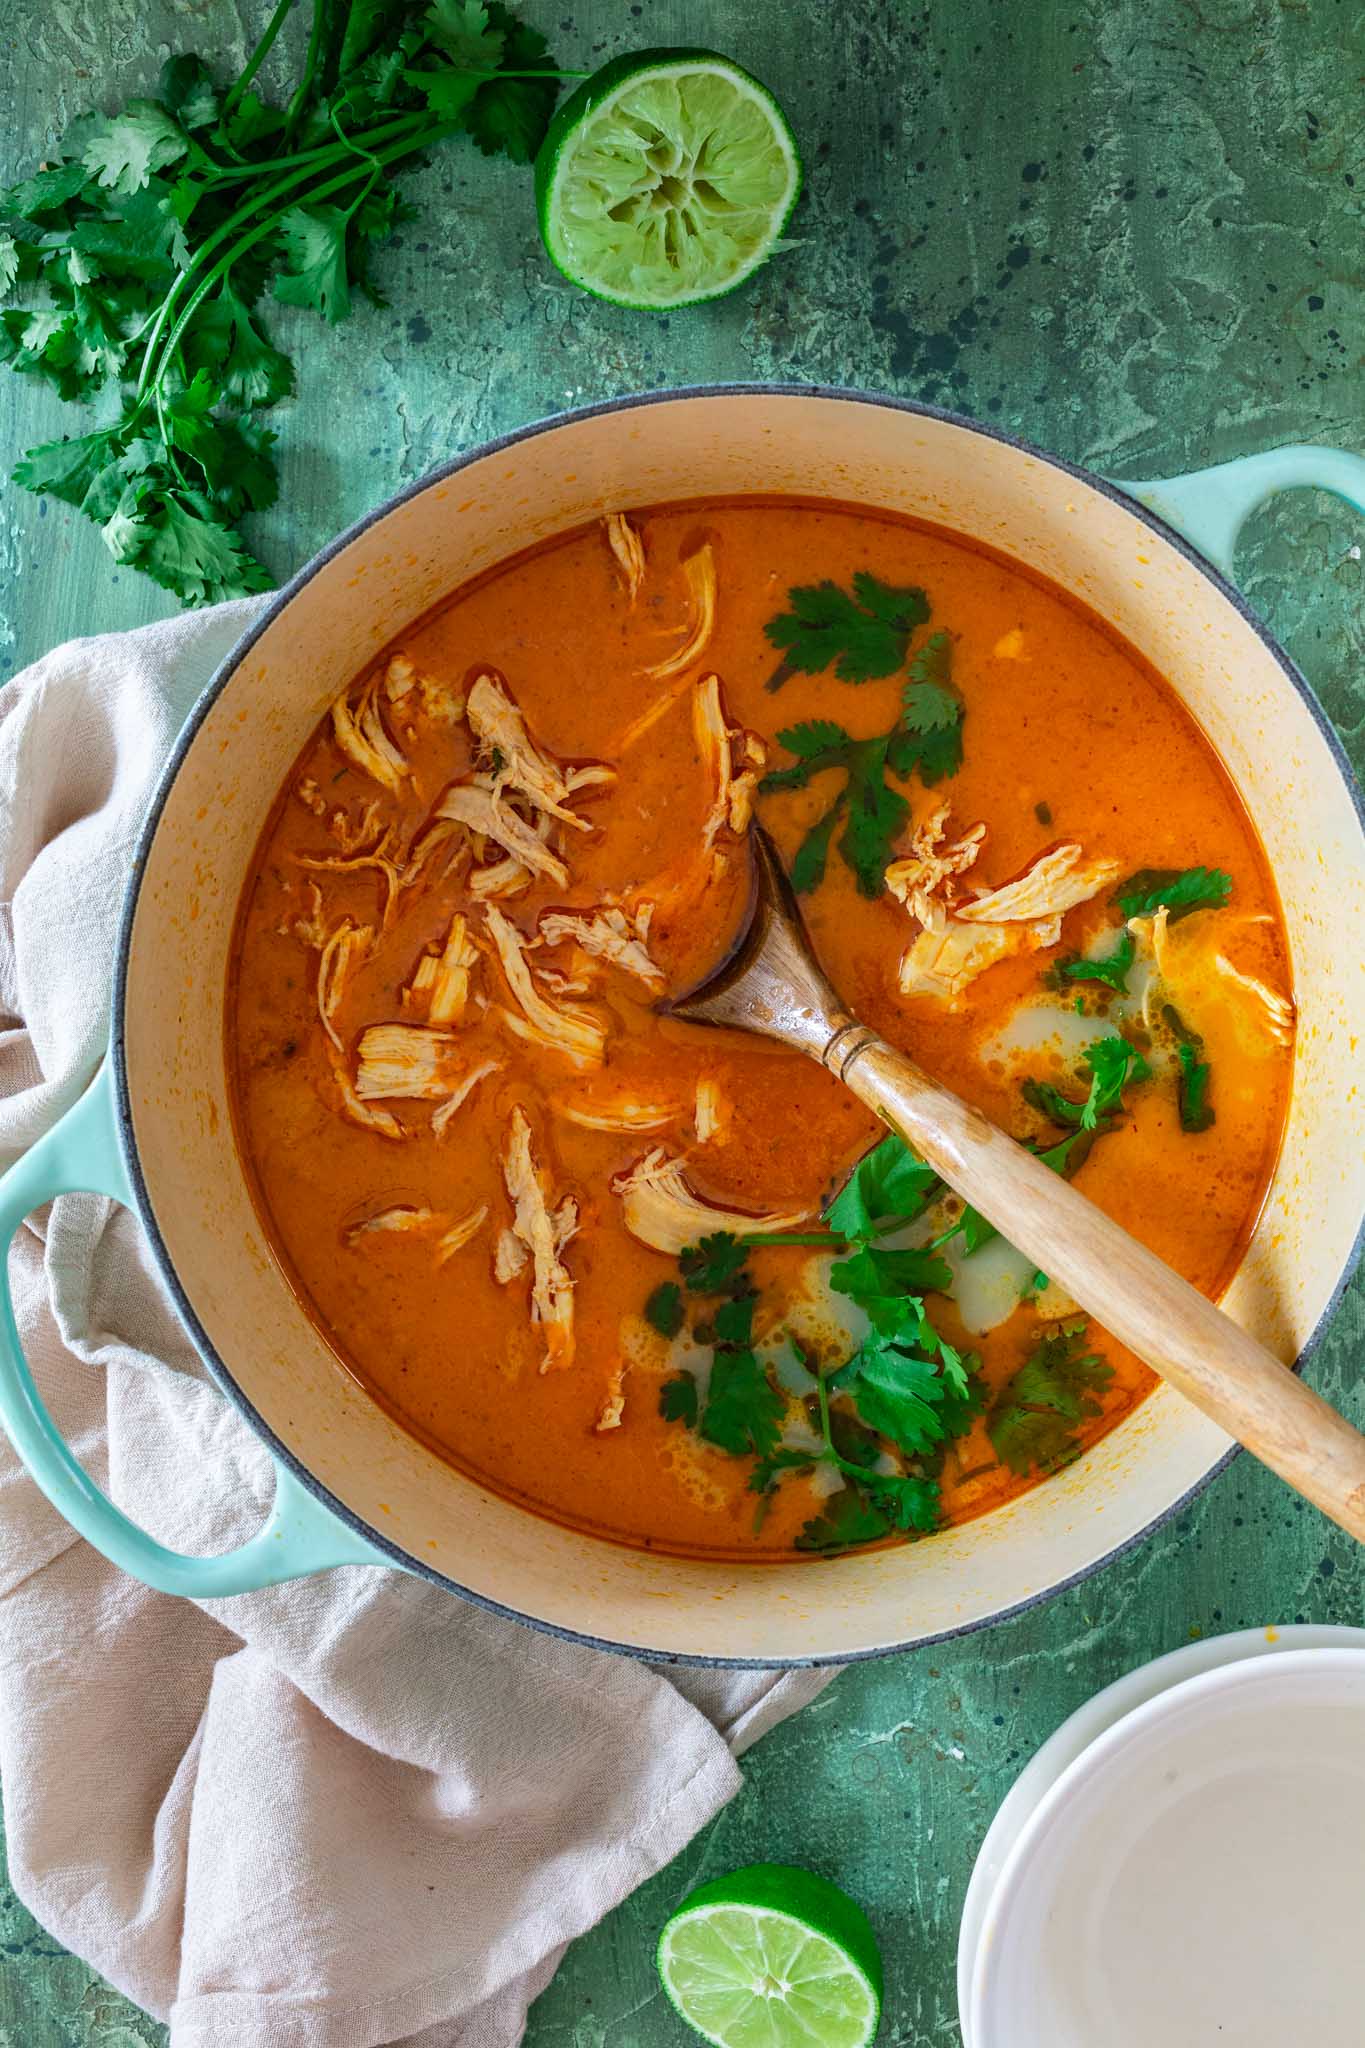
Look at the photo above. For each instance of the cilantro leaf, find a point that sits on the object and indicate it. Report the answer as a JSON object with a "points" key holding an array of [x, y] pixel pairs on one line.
{"points": [[930, 732], [314, 243], [862, 636], [180, 545], [664, 1309], [812, 855], [678, 1399], [1180, 889], [1032, 1422], [9, 264], [715, 1264], [901, 1394], [888, 1183], [874, 1274], [845, 1520], [1196, 1111], [224, 340], [65, 469], [1113, 1062], [744, 1411], [462, 30], [1112, 968], [125, 151], [186, 90], [911, 1502], [510, 115]]}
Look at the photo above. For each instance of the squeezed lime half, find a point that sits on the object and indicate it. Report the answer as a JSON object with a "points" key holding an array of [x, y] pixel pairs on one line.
{"points": [[773, 1957], [666, 178]]}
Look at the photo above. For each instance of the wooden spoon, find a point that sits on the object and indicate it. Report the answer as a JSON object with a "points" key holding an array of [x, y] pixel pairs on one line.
{"points": [[770, 983]]}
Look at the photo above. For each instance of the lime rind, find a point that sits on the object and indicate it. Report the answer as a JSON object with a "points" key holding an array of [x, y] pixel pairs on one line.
{"points": [[746, 1971], [666, 180]]}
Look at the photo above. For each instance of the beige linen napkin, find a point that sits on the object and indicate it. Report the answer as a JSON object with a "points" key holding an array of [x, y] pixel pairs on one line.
{"points": [[344, 1812]]}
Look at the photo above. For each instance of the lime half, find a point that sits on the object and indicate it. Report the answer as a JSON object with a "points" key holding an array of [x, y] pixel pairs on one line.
{"points": [[666, 178], [773, 1957]]}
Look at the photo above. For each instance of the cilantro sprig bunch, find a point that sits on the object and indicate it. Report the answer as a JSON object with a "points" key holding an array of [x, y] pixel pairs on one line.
{"points": [[904, 1390], [864, 637], [144, 249]]}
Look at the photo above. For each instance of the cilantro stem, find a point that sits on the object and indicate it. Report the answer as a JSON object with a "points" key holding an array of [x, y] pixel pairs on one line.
{"points": [[826, 1239], [294, 111], [258, 55], [231, 174], [354, 169]]}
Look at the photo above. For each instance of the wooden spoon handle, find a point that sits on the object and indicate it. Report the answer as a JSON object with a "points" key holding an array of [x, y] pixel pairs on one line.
{"points": [[1205, 1355]]}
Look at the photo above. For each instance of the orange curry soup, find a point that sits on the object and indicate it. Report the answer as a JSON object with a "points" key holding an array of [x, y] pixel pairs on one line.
{"points": [[486, 1161]]}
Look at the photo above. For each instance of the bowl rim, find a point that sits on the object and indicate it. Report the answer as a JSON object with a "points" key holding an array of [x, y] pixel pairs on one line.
{"points": [[277, 602], [1135, 1726]]}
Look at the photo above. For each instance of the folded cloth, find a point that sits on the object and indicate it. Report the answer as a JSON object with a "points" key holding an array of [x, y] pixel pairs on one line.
{"points": [[349, 1811]]}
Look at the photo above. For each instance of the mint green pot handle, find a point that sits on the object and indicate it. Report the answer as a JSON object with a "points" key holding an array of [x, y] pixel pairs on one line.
{"points": [[82, 1154], [1210, 506]]}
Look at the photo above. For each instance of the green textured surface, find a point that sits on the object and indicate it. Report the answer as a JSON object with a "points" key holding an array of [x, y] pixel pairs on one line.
{"points": [[1128, 229]]}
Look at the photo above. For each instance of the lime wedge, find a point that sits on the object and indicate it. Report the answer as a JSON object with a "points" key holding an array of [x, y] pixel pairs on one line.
{"points": [[665, 178], [773, 1957]]}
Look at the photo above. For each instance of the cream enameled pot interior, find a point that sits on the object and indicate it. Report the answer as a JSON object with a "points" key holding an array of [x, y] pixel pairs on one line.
{"points": [[551, 480]]}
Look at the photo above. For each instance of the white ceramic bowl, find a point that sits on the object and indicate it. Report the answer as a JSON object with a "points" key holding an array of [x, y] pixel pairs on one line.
{"points": [[1100, 1713], [1195, 1876]]}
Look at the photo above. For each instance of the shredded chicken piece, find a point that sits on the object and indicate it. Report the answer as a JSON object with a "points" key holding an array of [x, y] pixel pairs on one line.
{"points": [[712, 1112], [733, 758], [1056, 883], [408, 1062], [926, 879], [544, 1231], [363, 1113], [460, 1233], [364, 739], [576, 1033], [382, 857], [310, 796], [607, 935], [439, 698], [403, 1216], [441, 1117], [366, 832], [1275, 1012], [619, 1112], [625, 543], [662, 1210], [1010, 646], [517, 763], [345, 948], [1151, 934], [482, 811], [942, 963], [407, 1217], [311, 929], [649, 718], [700, 570], [614, 1406], [443, 978], [509, 1257], [576, 983], [411, 1062]]}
